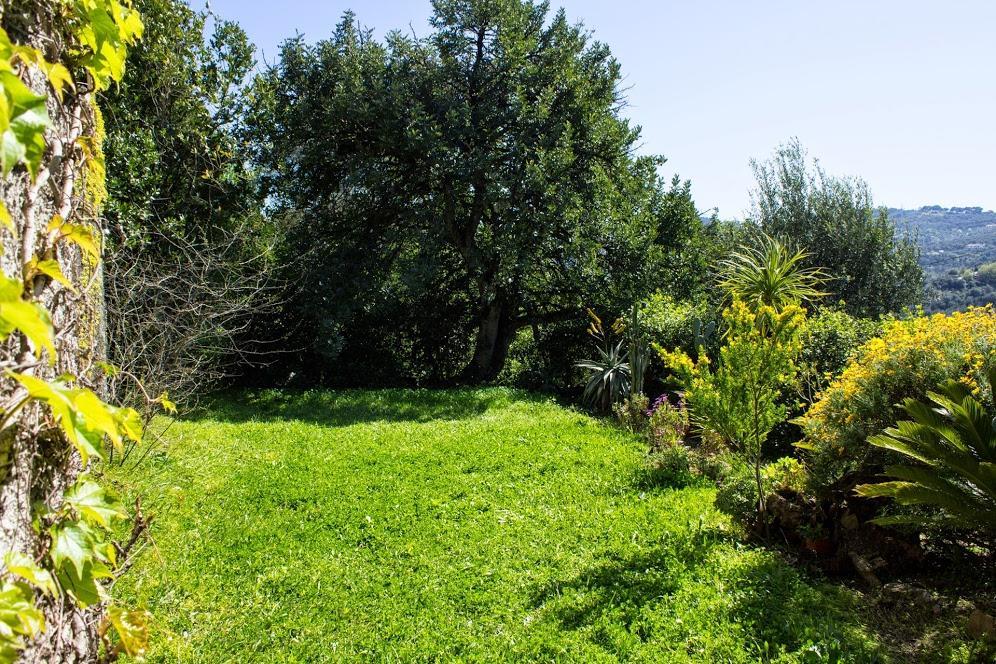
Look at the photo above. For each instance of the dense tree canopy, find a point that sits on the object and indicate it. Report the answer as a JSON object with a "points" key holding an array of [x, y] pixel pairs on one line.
{"points": [[462, 186], [175, 164], [874, 266]]}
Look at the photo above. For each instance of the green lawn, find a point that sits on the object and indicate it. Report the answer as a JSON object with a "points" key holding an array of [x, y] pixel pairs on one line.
{"points": [[478, 525]]}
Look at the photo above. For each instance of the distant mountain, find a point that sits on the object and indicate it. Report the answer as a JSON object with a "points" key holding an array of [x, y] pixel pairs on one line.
{"points": [[959, 253]]}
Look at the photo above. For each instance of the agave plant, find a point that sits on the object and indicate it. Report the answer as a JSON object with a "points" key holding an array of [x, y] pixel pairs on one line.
{"points": [[639, 352], [954, 442], [770, 274], [609, 373]]}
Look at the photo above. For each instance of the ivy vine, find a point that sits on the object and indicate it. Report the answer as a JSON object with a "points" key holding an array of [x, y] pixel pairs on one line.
{"points": [[78, 555]]}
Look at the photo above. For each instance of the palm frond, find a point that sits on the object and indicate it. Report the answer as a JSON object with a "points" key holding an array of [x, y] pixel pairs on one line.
{"points": [[955, 445]]}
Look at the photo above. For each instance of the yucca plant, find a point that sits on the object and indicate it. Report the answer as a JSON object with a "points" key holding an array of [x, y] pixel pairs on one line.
{"points": [[609, 373], [954, 442], [639, 352], [770, 274]]}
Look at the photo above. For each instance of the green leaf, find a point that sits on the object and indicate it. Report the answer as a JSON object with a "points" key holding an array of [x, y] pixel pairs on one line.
{"points": [[53, 270], [24, 566], [23, 138], [83, 417], [167, 405], [78, 234], [59, 78], [93, 504], [61, 400], [83, 585], [19, 618], [71, 543], [32, 320]]}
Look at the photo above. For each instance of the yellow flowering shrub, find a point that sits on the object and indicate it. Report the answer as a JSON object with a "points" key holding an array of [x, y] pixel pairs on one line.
{"points": [[738, 399], [908, 359]]}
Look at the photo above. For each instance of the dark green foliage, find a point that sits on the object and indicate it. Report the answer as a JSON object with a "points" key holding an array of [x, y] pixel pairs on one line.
{"points": [[736, 494], [874, 264], [188, 249], [482, 177], [829, 340], [952, 444], [175, 164]]}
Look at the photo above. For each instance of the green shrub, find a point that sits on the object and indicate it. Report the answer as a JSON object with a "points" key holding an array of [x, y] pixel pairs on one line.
{"points": [[904, 362], [714, 467], [952, 444], [671, 465], [737, 496], [632, 413], [740, 400], [787, 474], [829, 340], [679, 325]]}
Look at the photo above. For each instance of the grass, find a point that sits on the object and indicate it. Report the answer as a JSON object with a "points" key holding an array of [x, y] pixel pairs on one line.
{"points": [[476, 525]]}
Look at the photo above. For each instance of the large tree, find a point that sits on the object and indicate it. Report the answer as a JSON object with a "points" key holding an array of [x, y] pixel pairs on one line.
{"points": [[874, 266], [486, 167]]}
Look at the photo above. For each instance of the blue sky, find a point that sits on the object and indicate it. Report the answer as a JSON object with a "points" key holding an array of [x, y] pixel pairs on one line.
{"points": [[902, 93]]}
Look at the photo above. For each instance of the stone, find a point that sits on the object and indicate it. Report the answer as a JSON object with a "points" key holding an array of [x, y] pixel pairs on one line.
{"points": [[981, 625]]}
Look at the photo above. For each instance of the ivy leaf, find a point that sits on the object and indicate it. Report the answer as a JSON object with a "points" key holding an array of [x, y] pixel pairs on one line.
{"points": [[97, 416], [132, 628], [83, 585], [78, 234], [167, 405], [107, 368], [71, 543], [24, 566], [59, 78], [92, 502], [5, 218], [10, 289], [53, 270], [30, 318], [19, 617], [61, 400], [23, 139]]}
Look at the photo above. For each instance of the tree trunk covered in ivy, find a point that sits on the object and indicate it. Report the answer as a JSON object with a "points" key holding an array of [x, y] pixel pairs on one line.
{"points": [[36, 464]]}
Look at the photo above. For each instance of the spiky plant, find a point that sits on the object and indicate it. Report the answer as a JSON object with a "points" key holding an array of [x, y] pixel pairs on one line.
{"points": [[770, 274], [953, 441], [639, 352], [609, 373]]}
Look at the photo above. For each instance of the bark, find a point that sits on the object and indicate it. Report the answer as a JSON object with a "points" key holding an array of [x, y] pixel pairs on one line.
{"points": [[496, 330], [39, 464]]}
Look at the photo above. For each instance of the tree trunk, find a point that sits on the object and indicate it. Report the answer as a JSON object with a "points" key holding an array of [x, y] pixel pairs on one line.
{"points": [[36, 466], [496, 330]]}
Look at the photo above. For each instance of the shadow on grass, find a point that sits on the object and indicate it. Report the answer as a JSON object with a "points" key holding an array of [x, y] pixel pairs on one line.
{"points": [[620, 586], [651, 477], [776, 609], [347, 407]]}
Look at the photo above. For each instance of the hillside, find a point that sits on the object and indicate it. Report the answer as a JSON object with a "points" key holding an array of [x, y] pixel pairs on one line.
{"points": [[956, 242]]}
